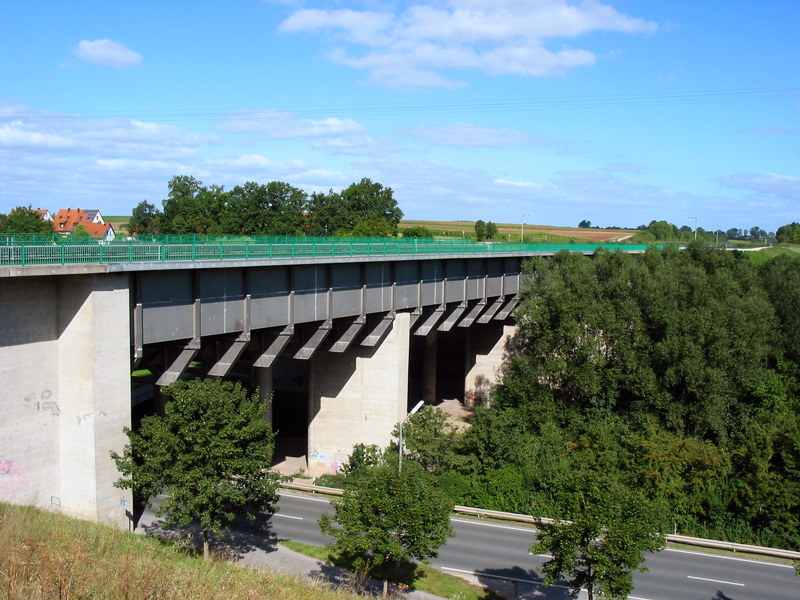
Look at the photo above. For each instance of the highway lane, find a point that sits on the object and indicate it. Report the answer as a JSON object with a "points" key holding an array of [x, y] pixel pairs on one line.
{"points": [[494, 550]]}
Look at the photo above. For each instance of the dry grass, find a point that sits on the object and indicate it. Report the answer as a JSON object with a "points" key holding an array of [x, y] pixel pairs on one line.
{"points": [[46, 556]]}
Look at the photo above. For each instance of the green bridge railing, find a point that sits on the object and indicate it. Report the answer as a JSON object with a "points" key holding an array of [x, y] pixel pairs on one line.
{"points": [[15, 253]]}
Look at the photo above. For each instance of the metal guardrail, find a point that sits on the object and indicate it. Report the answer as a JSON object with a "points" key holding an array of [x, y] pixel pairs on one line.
{"points": [[683, 539], [64, 253], [496, 514]]}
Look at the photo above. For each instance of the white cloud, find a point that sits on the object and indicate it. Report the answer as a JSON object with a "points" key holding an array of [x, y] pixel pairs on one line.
{"points": [[466, 134], [362, 27], [334, 135], [73, 135], [786, 187], [498, 37], [523, 184], [108, 54]]}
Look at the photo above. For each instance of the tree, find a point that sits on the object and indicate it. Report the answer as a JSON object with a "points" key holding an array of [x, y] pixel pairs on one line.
{"points": [[145, 219], [584, 224], [605, 540], [417, 231], [370, 201], [210, 451], [491, 230], [788, 234], [388, 517], [431, 441], [366, 202], [480, 230], [272, 209], [80, 233], [192, 208], [26, 220]]}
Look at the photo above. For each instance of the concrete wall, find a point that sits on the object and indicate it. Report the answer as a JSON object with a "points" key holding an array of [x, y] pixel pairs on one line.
{"points": [[64, 392], [485, 351], [357, 396]]}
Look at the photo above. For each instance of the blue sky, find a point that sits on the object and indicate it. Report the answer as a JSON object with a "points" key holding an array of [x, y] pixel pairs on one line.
{"points": [[617, 111]]}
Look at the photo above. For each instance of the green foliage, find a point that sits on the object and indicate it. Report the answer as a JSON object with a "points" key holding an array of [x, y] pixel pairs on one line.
{"points": [[431, 441], [25, 220], [485, 231], [418, 231], [609, 531], [272, 209], [192, 208], [145, 219], [389, 517], [364, 209], [210, 451], [366, 204], [80, 233], [788, 234], [676, 373], [362, 459]]}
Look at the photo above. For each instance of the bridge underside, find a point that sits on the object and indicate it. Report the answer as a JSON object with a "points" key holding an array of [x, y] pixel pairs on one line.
{"points": [[346, 347]]}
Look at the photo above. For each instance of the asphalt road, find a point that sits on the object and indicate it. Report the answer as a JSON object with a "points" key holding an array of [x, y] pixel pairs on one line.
{"points": [[493, 551]]}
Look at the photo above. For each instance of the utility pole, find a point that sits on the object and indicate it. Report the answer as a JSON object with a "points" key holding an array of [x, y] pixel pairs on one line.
{"points": [[522, 228], [695, 226]]}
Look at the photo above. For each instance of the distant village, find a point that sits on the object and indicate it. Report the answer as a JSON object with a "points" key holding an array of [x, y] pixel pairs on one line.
{"points": [[67, 219]]}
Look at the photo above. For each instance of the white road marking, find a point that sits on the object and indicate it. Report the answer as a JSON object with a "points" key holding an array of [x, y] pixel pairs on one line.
{"points": [[287, 516], [471, 522], [716, 581], [563, 587], [745, 560], [299, 497]]}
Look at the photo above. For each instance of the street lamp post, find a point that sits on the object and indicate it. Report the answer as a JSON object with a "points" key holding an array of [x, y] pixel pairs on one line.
{"points": [[522, 228], [408, 416], [695, 226]]}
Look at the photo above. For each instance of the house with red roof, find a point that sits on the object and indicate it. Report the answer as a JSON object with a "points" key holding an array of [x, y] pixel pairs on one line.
{"points": [[67, 219]]}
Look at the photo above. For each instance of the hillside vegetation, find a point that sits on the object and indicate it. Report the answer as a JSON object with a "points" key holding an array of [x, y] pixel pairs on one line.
{"points": [[673, 375], [46, 556]]}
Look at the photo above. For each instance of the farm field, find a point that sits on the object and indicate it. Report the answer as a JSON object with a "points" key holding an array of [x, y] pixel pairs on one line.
{"points": [[537, 233]]}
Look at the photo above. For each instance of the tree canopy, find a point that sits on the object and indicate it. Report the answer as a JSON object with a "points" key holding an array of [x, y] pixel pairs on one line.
{"points": [[24, 220], [364, 209], [605, 539], [210, 452], [676, 372], [388, 517], [788, 234]]}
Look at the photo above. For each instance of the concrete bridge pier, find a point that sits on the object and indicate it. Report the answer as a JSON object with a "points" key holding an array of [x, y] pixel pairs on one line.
{"points": [[484, 353], [429, 371], [66, 396], [357, 396], [263, 380]]}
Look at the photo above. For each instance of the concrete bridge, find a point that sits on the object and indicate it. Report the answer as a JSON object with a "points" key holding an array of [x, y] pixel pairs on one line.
{"points": [[345, 340]]}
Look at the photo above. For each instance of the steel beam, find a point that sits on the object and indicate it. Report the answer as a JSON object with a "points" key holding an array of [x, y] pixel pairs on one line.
{"points": [[375, 335], [308, 349], [273, 344]]}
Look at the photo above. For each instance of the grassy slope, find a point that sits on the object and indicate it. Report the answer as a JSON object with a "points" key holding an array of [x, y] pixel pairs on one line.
{"points": [[44, 555], [762, 256]]}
